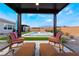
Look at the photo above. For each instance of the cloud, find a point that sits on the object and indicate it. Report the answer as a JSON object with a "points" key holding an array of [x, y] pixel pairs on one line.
{"points": [[3, 16], [69, 12], [30, 14], [67, 9], [49, 20], [42, 15]]}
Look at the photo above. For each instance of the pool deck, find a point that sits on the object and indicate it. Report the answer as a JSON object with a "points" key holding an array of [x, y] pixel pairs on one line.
{"points": [[37, 34]]}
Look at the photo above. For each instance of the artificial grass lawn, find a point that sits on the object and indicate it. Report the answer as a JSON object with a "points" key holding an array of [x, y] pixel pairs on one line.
{"points": [[24, 32], [35, 38], [3, 38], [28, 38]]}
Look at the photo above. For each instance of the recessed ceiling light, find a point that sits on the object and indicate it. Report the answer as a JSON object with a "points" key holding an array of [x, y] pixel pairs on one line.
{"points": [[37, 4]]}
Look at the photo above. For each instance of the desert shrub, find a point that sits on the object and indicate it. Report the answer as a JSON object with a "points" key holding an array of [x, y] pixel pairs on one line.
{"points": [[67, 34], [49, 30], [59, 31], [71, 36], [63, 40]]}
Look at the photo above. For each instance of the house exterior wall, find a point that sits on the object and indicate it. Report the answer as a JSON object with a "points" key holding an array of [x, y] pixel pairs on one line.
{"points": [[5, 28]]}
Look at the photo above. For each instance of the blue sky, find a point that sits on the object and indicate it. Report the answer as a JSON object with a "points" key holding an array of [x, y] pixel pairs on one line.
{"points": [[36, 20], [7, 13], [69, 16]]}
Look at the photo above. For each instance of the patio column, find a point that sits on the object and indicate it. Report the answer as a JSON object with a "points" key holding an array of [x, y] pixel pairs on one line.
{"points": [[55, 20], [19, 25]]}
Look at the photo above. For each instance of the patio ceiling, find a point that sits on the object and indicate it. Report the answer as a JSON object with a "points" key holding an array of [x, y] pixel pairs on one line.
{"points": [[33, 8]]}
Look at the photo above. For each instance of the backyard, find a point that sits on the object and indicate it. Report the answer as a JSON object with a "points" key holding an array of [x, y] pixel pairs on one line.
{"points": [[28, 35], [37, 37], [27, 38]]}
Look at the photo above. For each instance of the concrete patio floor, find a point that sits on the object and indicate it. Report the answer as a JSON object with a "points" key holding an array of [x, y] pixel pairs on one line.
{"points": [[36, 51]]}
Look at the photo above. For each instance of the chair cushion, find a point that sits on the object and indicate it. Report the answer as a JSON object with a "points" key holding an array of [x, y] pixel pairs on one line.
{"points": [[53, 39], [15, 34], [12, 36]]}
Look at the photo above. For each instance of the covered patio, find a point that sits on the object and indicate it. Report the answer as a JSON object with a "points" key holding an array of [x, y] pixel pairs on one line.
{"points": [[40, 47]]}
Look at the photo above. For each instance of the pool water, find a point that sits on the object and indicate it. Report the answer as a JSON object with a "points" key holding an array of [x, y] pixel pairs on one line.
{"points": [[38, 34]]}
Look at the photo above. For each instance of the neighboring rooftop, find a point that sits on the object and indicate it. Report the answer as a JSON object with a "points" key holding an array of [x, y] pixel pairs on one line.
{"points": [[6, 21], [26, 25]]}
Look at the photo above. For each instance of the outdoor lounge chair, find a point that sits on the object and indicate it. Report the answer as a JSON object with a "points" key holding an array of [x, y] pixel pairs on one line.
{"points": [[15, 39], [56, 39]]}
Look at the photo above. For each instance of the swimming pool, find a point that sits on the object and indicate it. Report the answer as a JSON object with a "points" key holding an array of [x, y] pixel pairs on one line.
{"points": [[35, 34]]}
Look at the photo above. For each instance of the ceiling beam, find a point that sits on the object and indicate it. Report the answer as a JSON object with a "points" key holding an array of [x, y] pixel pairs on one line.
{"points": [[12, 6], [18, 8], [63, 7], [33, 10]]}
